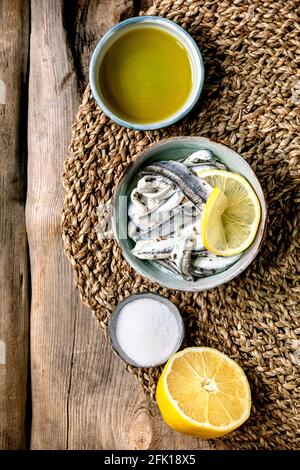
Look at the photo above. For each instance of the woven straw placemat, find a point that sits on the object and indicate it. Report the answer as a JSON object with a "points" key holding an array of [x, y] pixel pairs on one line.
{"points": [[250, 103]]}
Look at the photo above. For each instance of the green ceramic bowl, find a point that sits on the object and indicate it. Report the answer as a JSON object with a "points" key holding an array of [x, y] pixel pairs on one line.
{"points": [[163, 24], [176, 149]]}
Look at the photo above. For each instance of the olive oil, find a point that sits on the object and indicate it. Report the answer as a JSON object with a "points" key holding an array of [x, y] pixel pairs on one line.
{"points": [[145, 76]]}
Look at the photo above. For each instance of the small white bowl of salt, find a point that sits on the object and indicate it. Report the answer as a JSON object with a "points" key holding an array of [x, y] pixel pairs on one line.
{"points": [[146, 330]]}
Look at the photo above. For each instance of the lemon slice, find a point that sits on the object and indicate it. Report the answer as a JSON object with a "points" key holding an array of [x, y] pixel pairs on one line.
{"points": [[229, 226], [204, 393]]}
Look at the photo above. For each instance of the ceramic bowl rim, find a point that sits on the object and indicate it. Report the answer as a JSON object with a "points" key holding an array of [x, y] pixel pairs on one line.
{"points": [[248, 256], [164, 122]]}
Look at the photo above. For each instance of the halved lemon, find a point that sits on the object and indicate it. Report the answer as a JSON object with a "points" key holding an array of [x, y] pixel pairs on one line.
{"points": [[229, 226], [204, 393]]}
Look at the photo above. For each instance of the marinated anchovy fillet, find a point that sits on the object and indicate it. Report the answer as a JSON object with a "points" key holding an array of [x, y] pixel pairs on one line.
{"points": [[203, 160], [171, 267], [178, 217], [207, 166], [164, 248], [156, 214], [211, 264], [199, 157], [155, 187], [159, 249], [181, 255], [164, 217], [194, 188]]}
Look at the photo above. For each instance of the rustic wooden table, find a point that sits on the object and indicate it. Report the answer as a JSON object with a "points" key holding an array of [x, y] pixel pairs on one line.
{"points": [[60, 385]]}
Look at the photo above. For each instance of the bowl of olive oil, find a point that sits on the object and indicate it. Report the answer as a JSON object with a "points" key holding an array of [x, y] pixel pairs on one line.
{"points": [[146, 73]]}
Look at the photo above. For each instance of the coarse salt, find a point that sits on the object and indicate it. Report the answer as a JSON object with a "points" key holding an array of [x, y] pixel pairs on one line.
{"points": [[147, 331]]}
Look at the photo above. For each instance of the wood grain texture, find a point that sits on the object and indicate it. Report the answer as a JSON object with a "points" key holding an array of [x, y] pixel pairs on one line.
{"points": [[82, 396], [14, 38]]}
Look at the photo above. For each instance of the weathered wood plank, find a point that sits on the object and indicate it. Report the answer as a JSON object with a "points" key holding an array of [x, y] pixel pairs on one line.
{"points": [[108, 409], [82, 396], [14, 38]]}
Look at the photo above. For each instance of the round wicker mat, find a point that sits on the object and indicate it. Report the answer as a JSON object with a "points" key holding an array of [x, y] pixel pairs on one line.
{"points": [[250, 103]]}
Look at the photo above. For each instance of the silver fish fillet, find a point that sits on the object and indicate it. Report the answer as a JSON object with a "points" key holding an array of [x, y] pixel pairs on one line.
{"points": [[194, 188], [207, 166], [155, 215], [203, 160], [133, 230], [138, 201], [199, 157], [211, 264], [164, 217], [179, 217], [155, 187], [181, 255], [171, 267], [150, 193], [160, 249], [163, 249]]}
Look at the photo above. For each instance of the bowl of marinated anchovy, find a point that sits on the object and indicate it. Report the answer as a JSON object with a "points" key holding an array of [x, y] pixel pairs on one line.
{"points": [[189, 214]]}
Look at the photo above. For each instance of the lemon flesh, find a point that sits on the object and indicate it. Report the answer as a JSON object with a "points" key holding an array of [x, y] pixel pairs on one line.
{"points": [[229, 228], [203, 393]]}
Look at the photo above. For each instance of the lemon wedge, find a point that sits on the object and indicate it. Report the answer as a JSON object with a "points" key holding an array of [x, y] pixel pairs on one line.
{"points": [[203, 393], [231, 215]]}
